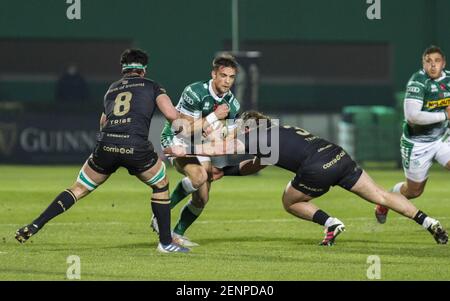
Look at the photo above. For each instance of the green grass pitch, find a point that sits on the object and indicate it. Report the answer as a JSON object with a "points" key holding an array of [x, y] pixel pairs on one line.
{"points": [[244, 233]]}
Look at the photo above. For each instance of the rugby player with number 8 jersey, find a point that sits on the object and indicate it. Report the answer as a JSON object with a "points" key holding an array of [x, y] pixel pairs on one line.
{"points": [[129, 105]]}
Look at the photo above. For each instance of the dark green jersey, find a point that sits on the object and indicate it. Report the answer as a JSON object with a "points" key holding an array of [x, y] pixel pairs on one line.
{"points": [[434, 95], [199, 100]]}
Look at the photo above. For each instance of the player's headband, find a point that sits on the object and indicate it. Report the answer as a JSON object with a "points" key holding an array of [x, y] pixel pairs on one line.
{"points": [[134, 66]]}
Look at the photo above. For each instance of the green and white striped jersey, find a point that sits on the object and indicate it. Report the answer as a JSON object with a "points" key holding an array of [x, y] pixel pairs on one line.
{"points": [[434, 95], [199, 100]]}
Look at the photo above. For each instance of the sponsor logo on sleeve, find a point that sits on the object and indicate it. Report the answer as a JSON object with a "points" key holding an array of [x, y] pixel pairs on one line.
{"points": [[413, 89], [188, 99]]}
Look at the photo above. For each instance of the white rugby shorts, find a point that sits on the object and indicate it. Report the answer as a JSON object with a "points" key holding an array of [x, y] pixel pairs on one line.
{"points": [[417, 157]]}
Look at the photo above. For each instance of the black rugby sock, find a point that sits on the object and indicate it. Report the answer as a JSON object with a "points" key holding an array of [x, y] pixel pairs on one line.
{"points": [[320, 217], [420, 217], [61, 203], [162, 214]]}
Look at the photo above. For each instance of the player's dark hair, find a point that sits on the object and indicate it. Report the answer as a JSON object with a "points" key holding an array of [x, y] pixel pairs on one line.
{"points": [[251, 119], [133, 56], [433, 49], [253, 115], [224, 60]]}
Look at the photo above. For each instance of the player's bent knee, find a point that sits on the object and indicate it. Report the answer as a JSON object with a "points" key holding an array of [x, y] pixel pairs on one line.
{"points": [[162, 186], [287, 201], [284, 198], [198, 177], [84, 181], [286, 205], [79, 191], [413, 193], [289, 205]]}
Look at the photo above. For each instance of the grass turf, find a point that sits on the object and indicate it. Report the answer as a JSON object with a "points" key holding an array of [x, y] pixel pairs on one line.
{"points": [[244, 234]]}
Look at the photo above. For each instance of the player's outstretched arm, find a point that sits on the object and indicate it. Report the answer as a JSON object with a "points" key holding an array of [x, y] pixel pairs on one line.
{"points": [[227, 146], [166, 107], [211, 149], [175, 151]]}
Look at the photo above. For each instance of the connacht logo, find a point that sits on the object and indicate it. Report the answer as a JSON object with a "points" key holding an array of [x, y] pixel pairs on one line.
{"points": [[8, 137]]}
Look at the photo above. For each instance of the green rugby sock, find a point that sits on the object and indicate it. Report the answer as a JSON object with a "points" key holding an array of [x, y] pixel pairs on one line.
{"points": [[189, 214], [177, 195], [183, 189]]}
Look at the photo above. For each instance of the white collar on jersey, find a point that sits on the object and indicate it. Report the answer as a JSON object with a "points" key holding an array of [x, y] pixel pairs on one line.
{"points": [[442, 76], [213, 94]]}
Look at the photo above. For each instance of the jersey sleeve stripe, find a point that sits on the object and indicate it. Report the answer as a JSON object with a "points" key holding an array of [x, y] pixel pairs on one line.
{"points": [[414, 82]]}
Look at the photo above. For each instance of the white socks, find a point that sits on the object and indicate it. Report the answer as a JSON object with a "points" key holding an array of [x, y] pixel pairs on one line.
{"points": [[397, 187]]}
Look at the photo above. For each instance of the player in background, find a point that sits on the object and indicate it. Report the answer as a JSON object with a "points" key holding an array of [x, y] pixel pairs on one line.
{"points": [[207, 102], [318, 164], [129, 105], [425, 130]]}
